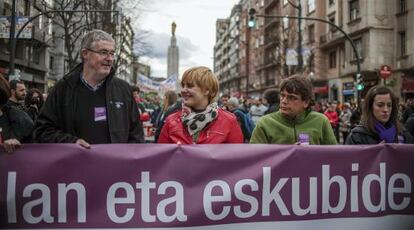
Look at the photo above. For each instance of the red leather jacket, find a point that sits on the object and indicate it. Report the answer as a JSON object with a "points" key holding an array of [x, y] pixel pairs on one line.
{"points": [[224, 129]]}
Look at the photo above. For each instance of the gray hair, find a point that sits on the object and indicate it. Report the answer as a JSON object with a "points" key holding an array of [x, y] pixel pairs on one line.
{"points": [[95, 36], [233, 103]]}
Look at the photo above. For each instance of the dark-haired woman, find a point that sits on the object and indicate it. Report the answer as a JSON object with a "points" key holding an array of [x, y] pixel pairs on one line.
{"points": [[379, 122]]}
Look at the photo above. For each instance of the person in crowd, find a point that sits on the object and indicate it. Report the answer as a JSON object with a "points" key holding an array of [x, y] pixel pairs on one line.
{"points": [[33, 103], [246, 105], [222, 103], [356, 115], [200, 121], [257, 110], [345, 121], [244, 119], [170, 99], [143, 114], [90, 105], [272, 98], [379, 121], [318, 107], [409, 109], [294, 123], [18, 93], [409, 124], [15, 125], [333, 118]]}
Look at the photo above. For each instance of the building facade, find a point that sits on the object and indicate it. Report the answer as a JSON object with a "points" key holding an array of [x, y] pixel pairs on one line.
{"points": [[381, 30], [31, 55]]}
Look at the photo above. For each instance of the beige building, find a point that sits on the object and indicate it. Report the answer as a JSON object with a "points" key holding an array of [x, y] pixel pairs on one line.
{"points": [[382, 31]]}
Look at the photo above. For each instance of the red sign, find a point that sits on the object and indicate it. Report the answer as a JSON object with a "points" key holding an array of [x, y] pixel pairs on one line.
{"points": [[385, 71]]}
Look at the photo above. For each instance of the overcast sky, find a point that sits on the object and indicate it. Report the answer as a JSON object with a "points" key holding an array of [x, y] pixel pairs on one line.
{"points": [[196, 22]]}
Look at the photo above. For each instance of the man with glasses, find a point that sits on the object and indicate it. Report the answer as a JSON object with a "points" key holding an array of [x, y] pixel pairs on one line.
{"points": [[294, 123], [90, 105]]}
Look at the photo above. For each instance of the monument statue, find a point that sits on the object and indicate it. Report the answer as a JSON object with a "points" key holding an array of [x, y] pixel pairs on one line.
{"points": [[173, 27]]}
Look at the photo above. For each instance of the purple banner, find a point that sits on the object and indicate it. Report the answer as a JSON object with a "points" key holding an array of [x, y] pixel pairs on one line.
{"points": [[215, 186]]}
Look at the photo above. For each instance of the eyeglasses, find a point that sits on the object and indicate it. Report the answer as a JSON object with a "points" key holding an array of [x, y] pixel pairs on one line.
{"points": [[103, 53], [289, 97]]}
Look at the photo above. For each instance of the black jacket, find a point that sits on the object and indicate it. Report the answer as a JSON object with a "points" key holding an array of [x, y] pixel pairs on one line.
{"points": [[55, 123], [361, 136], [15, 123]]}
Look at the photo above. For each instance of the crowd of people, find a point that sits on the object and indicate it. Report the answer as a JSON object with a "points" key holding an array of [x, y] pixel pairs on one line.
{"points": [[90, 105]]}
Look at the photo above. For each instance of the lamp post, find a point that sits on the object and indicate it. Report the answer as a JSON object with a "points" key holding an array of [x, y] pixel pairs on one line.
{"points": [[298, 6], [358, 70], [13, 39]]}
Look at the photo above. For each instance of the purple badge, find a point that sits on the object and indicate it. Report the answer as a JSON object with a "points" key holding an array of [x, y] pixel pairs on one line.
{"points": [[303, 138], [100, 114]]}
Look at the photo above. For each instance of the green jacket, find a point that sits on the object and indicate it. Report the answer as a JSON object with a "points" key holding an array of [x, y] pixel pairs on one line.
{"points": [[276, 129]]}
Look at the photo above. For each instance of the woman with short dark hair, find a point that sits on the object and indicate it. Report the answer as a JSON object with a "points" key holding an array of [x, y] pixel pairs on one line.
{"points": [[379, 121]]}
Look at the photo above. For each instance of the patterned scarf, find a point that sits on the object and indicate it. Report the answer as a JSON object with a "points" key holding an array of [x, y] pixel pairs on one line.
{"points": [[195, 122], [386, 134]]}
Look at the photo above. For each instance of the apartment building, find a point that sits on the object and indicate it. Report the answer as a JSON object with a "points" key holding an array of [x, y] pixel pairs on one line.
{"points": [[125, 56], [31, 56], [381, 30]]}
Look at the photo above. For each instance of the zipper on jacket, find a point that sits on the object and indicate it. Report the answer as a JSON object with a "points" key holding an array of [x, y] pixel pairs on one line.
{"points": [[294, 132]]}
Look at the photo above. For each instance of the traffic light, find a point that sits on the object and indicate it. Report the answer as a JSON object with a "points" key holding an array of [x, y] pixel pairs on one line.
{"points": [[252, 18], [360, 82]]}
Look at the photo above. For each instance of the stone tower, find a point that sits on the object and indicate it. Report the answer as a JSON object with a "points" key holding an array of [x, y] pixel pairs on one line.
{"points": [[173, 56]]}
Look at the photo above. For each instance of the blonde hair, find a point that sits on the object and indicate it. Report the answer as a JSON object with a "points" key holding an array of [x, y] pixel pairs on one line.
{"points": [[204, 78]]}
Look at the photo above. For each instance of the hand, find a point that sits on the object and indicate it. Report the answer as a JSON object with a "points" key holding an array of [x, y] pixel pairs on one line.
{"points": [[83, 143], [11, 144]]}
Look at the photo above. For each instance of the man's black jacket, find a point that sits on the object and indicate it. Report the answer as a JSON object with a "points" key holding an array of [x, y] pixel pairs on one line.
{"points": [[55, 123]]}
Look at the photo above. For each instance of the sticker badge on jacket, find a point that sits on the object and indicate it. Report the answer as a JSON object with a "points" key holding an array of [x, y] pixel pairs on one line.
{"points": [[304, 138], [100, 114]]}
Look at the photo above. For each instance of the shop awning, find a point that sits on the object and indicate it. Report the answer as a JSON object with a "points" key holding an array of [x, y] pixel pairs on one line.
{"points": [[321, 89], [408, 85], [347, 92]]}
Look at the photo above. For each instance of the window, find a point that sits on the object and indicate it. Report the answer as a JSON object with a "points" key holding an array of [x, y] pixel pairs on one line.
{"points": [[353, 10], [403, 43], [7, 9], [358, 45], [332, 59], [311, 33], [331, 2], [311, 6], [51, 63], [403, 6]]}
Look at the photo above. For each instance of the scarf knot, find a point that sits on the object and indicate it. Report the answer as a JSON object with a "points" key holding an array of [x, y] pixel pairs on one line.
{"points": [[386, 134], [195, 122]]}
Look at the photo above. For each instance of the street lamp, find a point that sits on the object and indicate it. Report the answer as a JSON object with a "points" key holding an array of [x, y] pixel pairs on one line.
{"points": [[358, 70], [298, 6], [13, 38]]}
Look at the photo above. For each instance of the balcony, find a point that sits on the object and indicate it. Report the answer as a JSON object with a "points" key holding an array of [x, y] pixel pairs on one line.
{"points": [[330, 37]]}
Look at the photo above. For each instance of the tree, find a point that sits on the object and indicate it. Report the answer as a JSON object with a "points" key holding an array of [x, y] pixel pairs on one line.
{"points": [[69, 27]]}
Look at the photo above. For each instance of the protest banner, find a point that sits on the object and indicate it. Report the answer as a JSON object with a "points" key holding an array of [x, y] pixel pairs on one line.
{"points": [[232, 186]]}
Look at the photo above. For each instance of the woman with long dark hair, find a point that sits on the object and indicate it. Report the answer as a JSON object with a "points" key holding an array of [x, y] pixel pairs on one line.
{"points": [[379, 121]]}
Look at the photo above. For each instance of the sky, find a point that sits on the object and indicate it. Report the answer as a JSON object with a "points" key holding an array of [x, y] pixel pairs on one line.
{"points": [[196, 26]]}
